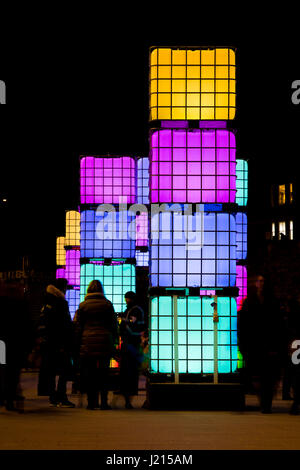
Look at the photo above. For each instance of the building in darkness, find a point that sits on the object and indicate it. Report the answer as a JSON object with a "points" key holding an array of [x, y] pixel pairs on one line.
{"points": [[274, 235]]}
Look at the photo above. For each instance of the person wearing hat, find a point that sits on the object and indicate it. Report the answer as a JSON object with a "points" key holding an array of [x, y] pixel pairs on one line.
{"points": [[131, 329]]}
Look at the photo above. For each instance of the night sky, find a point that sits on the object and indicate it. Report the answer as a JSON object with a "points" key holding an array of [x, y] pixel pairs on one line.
{"points": [[84, 90]]}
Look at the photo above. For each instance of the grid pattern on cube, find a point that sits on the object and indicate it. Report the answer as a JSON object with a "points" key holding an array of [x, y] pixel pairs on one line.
{"points": [[107, 235], [73, 299], [142, 259], [241, 182], [142, 230], [193, 250], [241, 283], [195, 335], [72, 228], [192, 84], [73, 267], [107, 180], [116, 281], [60, 273], [196, 165], [241, 235], [143, 180], [60, 251]]}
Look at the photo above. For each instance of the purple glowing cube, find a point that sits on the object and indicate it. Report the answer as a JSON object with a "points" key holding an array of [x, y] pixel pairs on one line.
{"points": [[241, 283], [193, 166], [107, 180], [73, 267]]}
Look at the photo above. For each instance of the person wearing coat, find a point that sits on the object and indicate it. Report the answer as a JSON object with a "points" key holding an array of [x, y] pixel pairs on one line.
{"points": [[97, 334], [55, 340], [131, 330], [260, 340]]}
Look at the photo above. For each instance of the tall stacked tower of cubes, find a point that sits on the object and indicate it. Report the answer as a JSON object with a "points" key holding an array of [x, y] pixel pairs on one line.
{"points": [[107, 228], [198, 227]]}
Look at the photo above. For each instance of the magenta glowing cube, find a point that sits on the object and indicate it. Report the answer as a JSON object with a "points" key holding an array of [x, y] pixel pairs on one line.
{"points": [[192, 166], [241, 283], [73, 267], [108, 180], [60, 273]]}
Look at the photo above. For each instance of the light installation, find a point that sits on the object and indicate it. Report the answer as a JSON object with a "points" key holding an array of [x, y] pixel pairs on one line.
{"points": [[194, 335], [107, 235], [107, 179], [72, 237], [193, 160], [116, 279], [193, 165], [192, 84], [206, 258], [60, 251]]}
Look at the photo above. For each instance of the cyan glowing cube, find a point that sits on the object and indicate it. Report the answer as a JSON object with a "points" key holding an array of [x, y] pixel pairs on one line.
{"points": [[195, 335], [117, 279]]}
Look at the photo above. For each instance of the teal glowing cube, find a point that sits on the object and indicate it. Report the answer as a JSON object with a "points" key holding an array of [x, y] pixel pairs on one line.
{"points": [[195, 335], [116, 279]]}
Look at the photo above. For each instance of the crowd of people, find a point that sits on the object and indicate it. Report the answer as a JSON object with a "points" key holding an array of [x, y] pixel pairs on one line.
{"points": [[81, 350], [70, 348]]}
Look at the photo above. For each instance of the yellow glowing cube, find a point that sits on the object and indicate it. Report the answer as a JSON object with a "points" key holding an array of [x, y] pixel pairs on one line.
{"points": [[72, 228], [192, 83], [60, 251]]}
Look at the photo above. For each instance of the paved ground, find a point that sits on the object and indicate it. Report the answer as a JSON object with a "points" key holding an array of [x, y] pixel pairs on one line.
{"points": [[41, 427]]}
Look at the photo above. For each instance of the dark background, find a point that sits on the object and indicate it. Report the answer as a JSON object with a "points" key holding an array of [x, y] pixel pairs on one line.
{"points": [[81, 86]]}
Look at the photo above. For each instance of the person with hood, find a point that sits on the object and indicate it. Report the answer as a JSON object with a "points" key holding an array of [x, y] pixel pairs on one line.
{"points": [[97, 335], [131, 330], [55, 338]]}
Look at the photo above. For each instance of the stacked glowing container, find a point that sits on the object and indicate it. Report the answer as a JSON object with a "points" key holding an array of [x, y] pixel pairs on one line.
{"points": [[72, 271], [107, 228], [242, 201], [193, 166], [60, 258]]}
